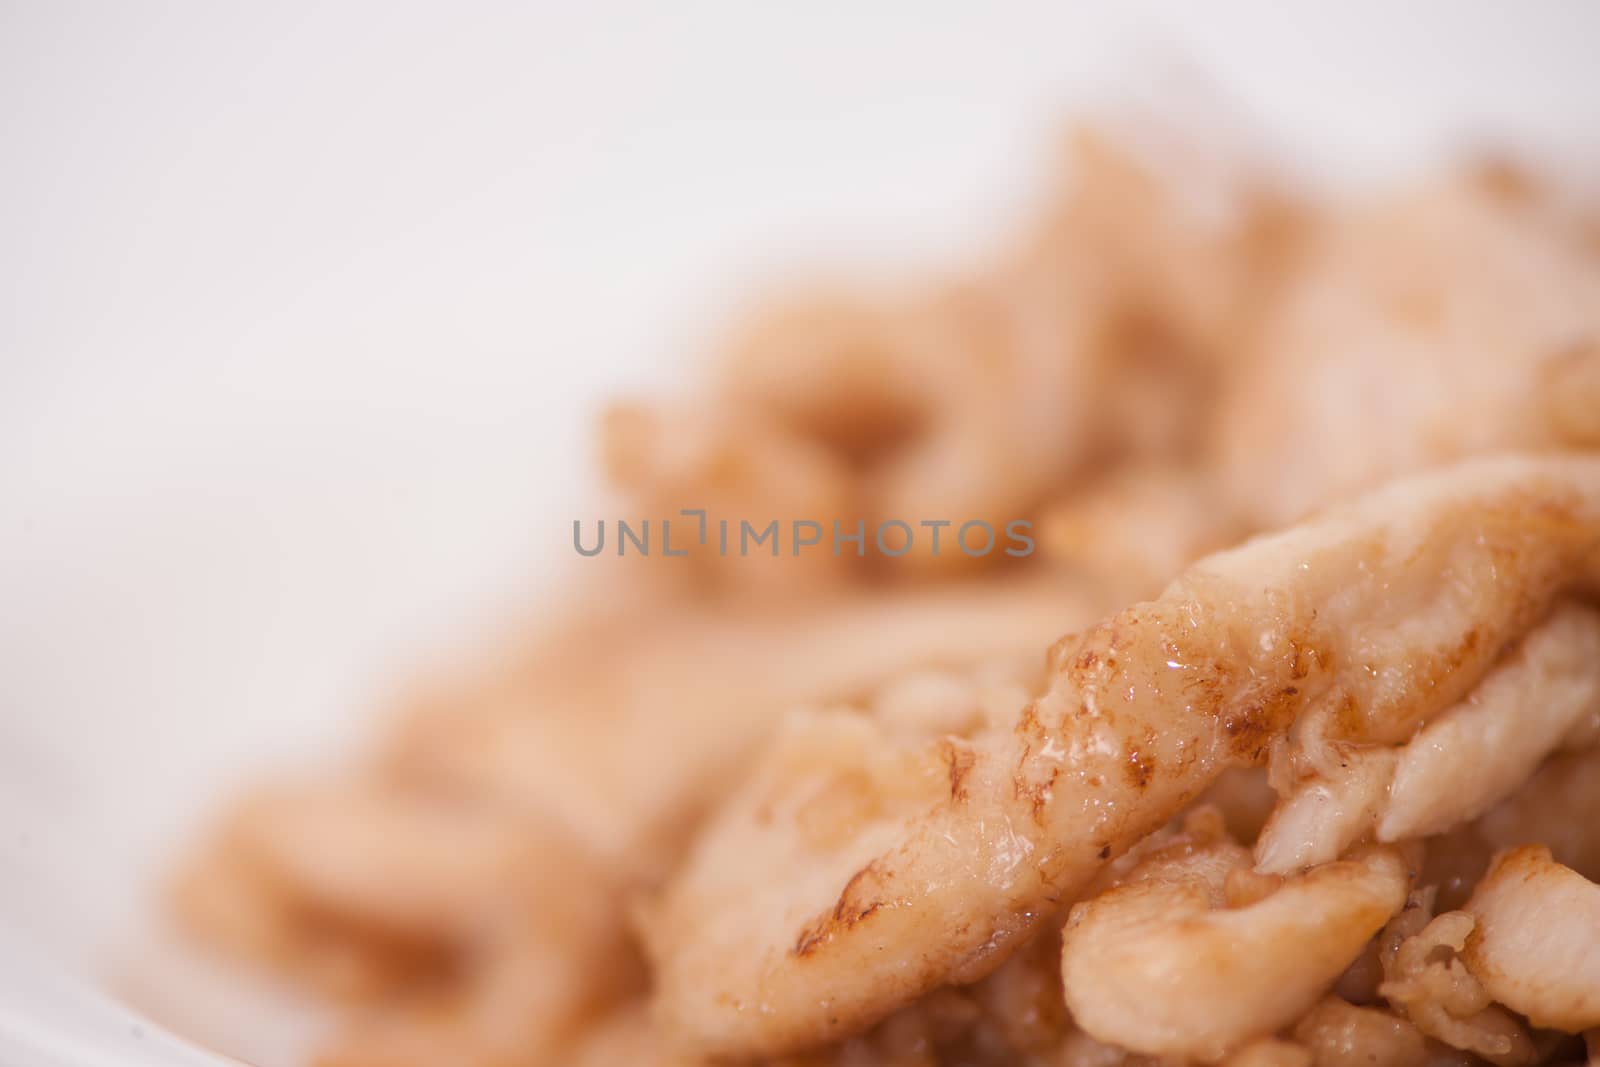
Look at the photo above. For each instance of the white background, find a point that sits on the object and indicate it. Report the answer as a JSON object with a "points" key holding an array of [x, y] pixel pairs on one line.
{"points": [[304, 307]]}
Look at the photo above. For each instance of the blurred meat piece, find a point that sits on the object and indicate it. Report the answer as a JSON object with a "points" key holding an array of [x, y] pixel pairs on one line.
{"points": [[1340, 1034], [1416, 331], [1101, 335], [1543, 809], [732, 469], [1135, 529]]}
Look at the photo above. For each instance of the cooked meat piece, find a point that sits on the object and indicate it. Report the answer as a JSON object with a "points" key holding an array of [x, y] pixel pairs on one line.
{"points": [[1535, 944], [1340, 1034], [1542, 811], [1136, 528], [1426, 981], [1460, 764], [459, 886], [1372, 618], [1445, 323], [1170, 963]]}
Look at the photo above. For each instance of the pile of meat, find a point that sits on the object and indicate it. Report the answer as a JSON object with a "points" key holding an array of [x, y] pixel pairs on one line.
{"points": [[1283, 748]]}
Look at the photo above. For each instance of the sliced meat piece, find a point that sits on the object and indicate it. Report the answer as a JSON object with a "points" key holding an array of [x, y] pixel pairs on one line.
{"points": [[1536, 942], [1168, 965], [1374, 617], [1461, 764]]}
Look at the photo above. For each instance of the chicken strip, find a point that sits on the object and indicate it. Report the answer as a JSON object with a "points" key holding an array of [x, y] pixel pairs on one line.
{"points": [[1173, 963], [1460, 764], [1376, 616], [1535, 944], [1421, 329]]}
